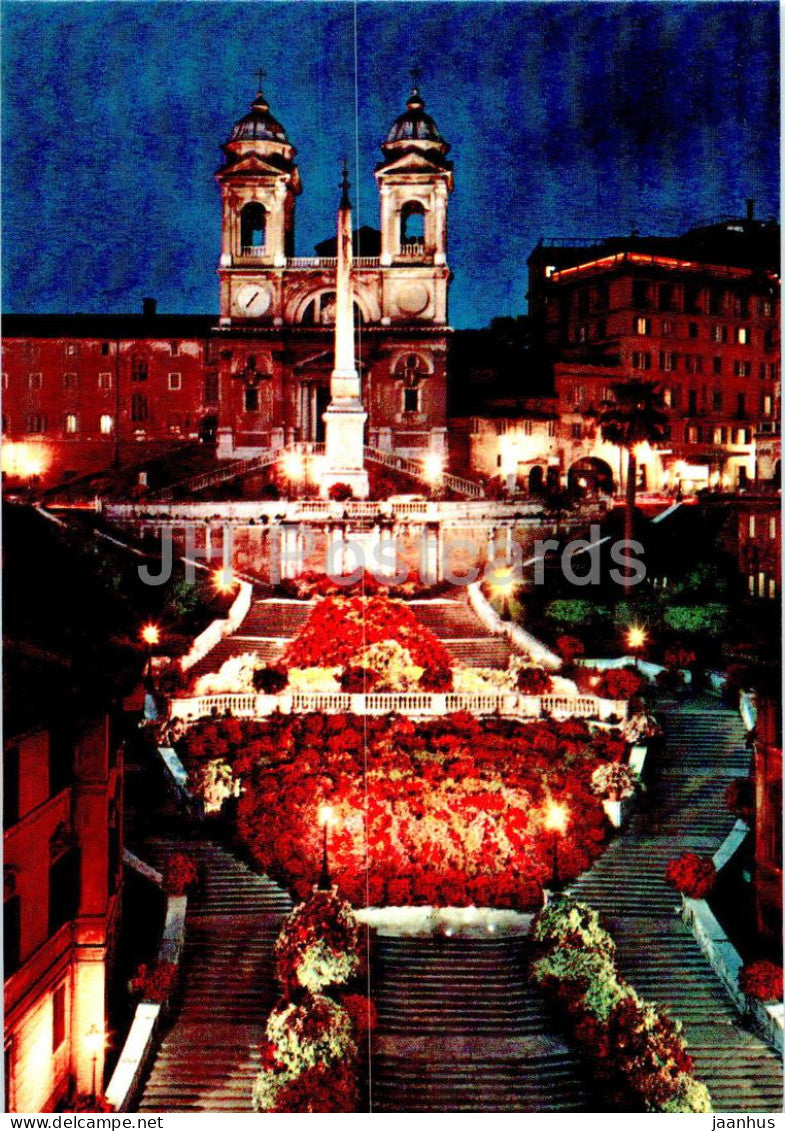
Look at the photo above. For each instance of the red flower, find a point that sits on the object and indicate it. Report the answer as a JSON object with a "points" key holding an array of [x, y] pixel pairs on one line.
{"points": [[179, 874], [691, 874], [762, 980]]}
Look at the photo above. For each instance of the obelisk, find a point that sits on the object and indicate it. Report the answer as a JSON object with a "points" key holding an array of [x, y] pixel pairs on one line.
{"points": [[345, 417]]}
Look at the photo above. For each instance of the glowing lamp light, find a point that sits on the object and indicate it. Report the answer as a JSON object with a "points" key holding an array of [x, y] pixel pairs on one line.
{"points": [[434, 467], [222, 580], [151, 634], [293, 466], [501, 581], [93, 1041], [557, 817], [325, 815], [636, 637], [24, 461]]}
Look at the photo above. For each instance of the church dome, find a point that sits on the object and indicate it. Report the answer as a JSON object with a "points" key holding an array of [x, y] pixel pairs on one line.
{"points": [[414, 124], [259, 124]]}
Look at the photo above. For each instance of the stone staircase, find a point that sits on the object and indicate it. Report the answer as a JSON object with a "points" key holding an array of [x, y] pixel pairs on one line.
{"points": [[463, 633], [684, 810], [461, 1029], [265, 631], [209, 1057]]}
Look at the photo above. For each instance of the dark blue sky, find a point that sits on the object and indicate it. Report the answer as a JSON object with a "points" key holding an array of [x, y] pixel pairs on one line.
{"points": [[565, 120]]}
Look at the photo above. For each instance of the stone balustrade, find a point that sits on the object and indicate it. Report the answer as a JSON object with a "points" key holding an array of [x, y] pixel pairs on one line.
{"points": [[415, 704]]}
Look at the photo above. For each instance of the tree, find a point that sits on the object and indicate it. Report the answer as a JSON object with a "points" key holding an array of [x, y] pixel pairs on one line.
{"points": [[633, 417]]}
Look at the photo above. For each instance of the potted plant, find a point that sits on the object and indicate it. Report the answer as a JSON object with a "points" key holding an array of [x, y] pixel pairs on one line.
{"points": [[613, 783]]}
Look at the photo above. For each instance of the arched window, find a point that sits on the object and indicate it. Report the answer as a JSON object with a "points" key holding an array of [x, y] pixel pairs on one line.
{"points": [[253, 226], [321, 310], [413, 224]]}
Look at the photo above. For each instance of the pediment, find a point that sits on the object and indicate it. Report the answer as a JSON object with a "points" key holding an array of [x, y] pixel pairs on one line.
{"points": [[413, 161], [252, 163]]}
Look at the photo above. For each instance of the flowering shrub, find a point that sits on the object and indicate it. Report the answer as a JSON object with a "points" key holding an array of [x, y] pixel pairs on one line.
{"points": [[619, 683], [691, 874], [762, 980], [319, 944], [213, 782], [612, 781], [341, 492], [309, 1062], [436, 679], [569, 647], [357, 680], [391, 665], [678, 656], [179, 873], [637, 1053], [314, 679], [363, 1014], [739, 798], [236, 674], [447, 811], [638, 726], [154, 984], [534, 681], [339, 628]]}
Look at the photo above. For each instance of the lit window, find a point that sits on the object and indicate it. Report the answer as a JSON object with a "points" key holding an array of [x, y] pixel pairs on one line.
{"points": [[720, 333], [772, 527], [742, 368], [667, 329], [742, 335], [641, 360], [107, 424], [667, 361], [175, 382], [71, 422], [717, 437], [772, 588], [642, 325], [751, 584], [71, 348], [767, 406], [667, 398], [104, 380], [35, 381]]}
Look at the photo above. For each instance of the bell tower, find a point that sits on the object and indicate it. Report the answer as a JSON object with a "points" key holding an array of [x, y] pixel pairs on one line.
{"points": [[259, 182], [415, 179]]}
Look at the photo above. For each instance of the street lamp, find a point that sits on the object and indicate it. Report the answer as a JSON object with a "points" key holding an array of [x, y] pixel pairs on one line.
{"points": [[325, 817], [636, 639], [94, 1043], [434, 469], [557, 817], [151, 634]]}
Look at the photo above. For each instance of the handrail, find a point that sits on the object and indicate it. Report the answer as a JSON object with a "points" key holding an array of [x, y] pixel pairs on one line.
{"points": [[418, 471]]}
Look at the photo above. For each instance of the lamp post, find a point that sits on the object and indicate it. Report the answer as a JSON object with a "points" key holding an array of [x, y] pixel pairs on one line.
{"points": [[94, 1041], [325, 816], [557, 818], [434, 470], [636, 639]]}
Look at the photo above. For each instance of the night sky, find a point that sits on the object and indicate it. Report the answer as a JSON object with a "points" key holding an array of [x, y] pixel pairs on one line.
{"points": [[581, 119]]}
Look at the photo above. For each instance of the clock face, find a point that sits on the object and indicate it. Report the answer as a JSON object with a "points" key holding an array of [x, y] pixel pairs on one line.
{"points": [[252, 300]]}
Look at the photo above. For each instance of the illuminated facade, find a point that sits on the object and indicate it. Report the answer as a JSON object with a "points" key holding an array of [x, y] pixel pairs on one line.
{"points": [[84, 392], [62, 803]]}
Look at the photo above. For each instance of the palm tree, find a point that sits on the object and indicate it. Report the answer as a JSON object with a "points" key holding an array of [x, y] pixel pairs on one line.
{"points": [[631, 418]]}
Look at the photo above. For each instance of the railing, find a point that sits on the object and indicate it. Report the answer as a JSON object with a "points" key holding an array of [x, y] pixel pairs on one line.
{"points": [[231, 470], [249, 252], [418, 471], [325, 261], [414, 704], [414, 251]]}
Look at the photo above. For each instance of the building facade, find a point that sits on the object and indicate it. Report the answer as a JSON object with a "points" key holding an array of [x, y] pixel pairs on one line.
{"points": [[84, 392], [696, 314], [62, 810]]}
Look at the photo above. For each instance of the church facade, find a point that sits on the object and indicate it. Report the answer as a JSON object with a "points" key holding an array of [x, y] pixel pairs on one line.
{"points": [[86, 391]]}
